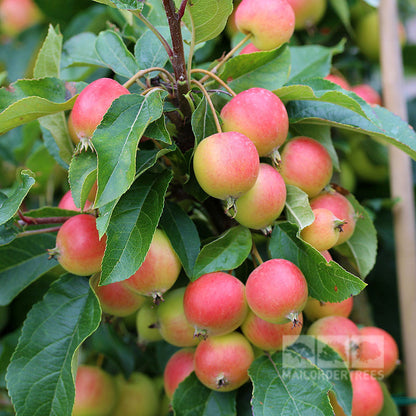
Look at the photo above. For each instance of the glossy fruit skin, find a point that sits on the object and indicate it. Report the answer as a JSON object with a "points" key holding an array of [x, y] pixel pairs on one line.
{"points": [[271, 22], [378, 354], [324, 232], [92, 103], [226, 164], [80, 251], [307, 12], [260, 115], [306, 163], [95, 392], [367, 93], [340, 333], [179, 366], [18, 15], [268, 336], [342, 208], [315, 309], [215, 303], [342, 82], [115, 299], [160, 269], [367, 395], [67, 202], [147, 324], [173, 325], [222, 362], [260, 206], [249, 48], [277, 291]]}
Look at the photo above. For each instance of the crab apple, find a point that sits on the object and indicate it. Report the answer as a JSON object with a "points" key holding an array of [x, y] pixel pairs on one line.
{"points": [[378, 353], [115, 299], [327, 255], [268, 336], [249, 48], [138, 396], [95, 392], [277, 291], [315, 309], [367, 93], [173, 325], [226, 164], [91, 105], [259, 207], [215, 304], [307, 12], [306, 164], [270, 22], [222, 362], [340, 333], [78, 247], [147, 324], [159, 271], [341, 81], [260, 115], [67, 202], [179, 366], [339, 205], [324, 232], [18, 15]]}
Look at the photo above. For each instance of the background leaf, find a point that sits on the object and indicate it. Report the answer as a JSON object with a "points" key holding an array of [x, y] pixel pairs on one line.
{"points": [[389, 407], [202, 121], [149, 51]]}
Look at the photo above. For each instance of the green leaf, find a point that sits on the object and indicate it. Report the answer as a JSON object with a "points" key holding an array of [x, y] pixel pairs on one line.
{"points": [[191, 398], [132, 225], [49, 56], [158, 131], [311, 61], [361, 247], [8, 232], [80, 50], [389, 407], [123, 4], [39, 378], [327, 282], [269, 70], [297, 208], [227, 252], [149, 51], [286, 383], [8, 344], [202, 121], [329, 361], [182, 234], [342, 9], [27, 100], [123, 125], [9, 206], [22, 262], [114, 53]]}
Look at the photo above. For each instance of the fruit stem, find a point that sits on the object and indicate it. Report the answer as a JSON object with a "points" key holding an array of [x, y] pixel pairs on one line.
{"points": [[211, 105], [39, 231], [223, 60], [217, 78], [256, 254], [35, 221], [143, 72]]}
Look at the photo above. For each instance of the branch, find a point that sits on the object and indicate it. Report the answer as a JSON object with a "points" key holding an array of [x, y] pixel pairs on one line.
{"points": [[182, 8], [35, 221]]}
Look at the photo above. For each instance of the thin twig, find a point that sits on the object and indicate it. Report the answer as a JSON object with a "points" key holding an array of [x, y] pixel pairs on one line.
{"points": [[256, 254], [39, 231], [216, 77], [182, 8], [143, 72], [34, 221]]}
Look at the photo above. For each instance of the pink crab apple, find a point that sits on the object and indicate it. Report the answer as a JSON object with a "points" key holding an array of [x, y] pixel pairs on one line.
{"points": [[378, 353], [91, 105], [260, 206], [115, 299], [173, 325], [270, 22], [222, 362], [147, 324], [340, 333], [315, 309], [277, 291], [268, 336], [78, 247], [226, 164], [341, 81], [307, 12], [324, 232], [179, 366], [249, 48], [367, 93], [18, 15], [339, 205], [95, 392], [215, 304], [159, 271], [306, 163], [260, 115], [67, 202]]}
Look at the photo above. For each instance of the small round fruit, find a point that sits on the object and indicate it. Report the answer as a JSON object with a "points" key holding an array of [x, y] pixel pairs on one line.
{"points": [[367, 93], [259, 207], [249, 48], [226, 164], [315, 309], [307, 12], [78, 247], [341, 81], [215, 304], [67, 202], [367, 395], [260, 115], [18, 15], [277, 291], [179, 366], [222, 362], [268, 336], [306, 163], [147, 324]]}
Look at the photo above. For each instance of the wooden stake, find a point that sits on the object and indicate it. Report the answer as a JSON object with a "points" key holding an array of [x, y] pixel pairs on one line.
{"points": [[401, 186]]}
